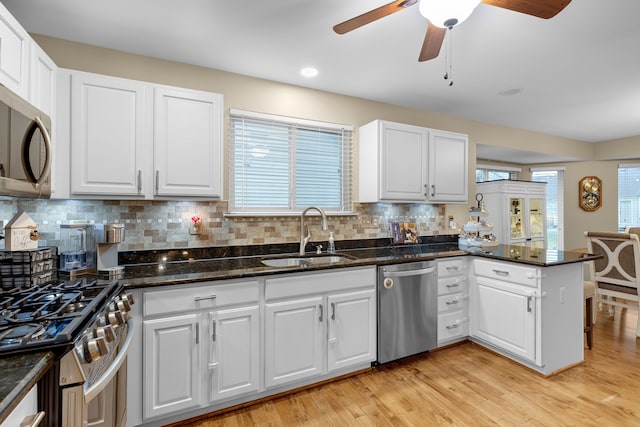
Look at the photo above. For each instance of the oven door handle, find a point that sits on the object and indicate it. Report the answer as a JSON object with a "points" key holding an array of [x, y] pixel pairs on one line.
{"points": [[91, 392]]}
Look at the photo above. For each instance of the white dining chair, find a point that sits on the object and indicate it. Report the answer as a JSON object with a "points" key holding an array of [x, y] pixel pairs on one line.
{"points": [[617, 273]]}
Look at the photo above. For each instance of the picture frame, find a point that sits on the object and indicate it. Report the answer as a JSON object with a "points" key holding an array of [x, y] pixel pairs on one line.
{"points": [[590, 193]]}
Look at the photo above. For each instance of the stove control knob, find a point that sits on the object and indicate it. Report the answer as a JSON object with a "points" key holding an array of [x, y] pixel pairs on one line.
{"points": [[114, 318], [123, 306], [127, 297], [94, 349], [105, 332]]}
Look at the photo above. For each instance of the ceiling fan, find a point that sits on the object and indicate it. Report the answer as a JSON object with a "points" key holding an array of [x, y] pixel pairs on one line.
{"points": [[445, 14]]}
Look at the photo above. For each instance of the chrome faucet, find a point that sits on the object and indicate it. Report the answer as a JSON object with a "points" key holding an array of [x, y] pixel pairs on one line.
{"points": [[305, 239]]}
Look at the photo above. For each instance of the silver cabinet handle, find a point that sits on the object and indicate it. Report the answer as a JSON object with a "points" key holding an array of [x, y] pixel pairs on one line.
{"points": [[425, 191], [453, 285], [32, 420], [157, 180], [454, 326], [197, 332], [320, 319], [529, 298], [452, 302], [139, 181], [211, 297], [333, 311], [452, 267], [213, 334], [433, 190], [501, 272]]}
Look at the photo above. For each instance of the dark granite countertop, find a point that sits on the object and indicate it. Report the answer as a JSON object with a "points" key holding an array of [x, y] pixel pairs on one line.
{"points": [[19, 374], [157, 268]]}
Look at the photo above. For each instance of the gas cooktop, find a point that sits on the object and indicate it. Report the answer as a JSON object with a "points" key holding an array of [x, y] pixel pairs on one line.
{"points": [[50, 315]]}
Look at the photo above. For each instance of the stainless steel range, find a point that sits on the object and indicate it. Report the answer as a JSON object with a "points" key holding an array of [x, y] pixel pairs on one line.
{"points": [[85, 323]]}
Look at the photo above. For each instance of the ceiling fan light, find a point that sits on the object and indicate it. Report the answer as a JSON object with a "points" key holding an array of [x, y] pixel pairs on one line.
{"points": [[446, 13]]}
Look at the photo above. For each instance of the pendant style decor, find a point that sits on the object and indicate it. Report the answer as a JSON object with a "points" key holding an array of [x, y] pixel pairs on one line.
{"points": [[590, 193]]}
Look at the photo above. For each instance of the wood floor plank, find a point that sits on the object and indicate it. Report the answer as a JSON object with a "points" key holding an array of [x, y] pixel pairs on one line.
{"points": [[467, 385]]}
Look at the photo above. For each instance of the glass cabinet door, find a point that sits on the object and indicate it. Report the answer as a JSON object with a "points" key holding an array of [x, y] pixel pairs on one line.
{"points": [[516, 216], [536, 217]]}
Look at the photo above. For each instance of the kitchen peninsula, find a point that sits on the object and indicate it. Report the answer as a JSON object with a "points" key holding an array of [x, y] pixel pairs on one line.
{"points": [[523, 303]]}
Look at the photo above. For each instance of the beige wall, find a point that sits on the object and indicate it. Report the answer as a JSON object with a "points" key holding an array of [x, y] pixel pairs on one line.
{"points": [[253, 94]]}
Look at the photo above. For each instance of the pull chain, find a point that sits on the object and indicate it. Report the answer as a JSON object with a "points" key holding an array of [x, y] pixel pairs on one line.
{"points": [[448, 57]]}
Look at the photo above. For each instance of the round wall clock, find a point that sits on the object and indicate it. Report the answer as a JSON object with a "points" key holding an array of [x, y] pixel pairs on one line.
{"points": [[590, 193]]}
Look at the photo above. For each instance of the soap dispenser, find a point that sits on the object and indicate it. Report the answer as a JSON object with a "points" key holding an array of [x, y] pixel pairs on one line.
{"points": [[332, 244]]}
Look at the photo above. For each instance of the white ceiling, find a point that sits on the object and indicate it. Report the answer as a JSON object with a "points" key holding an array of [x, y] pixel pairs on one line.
{"points": [[577, 74]]}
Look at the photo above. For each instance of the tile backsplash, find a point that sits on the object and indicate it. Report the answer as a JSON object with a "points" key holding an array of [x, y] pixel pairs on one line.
{"points": [[165, 224]]}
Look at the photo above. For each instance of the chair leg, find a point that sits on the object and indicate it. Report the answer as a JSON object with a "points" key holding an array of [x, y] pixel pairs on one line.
{"points": [[588, 328]]}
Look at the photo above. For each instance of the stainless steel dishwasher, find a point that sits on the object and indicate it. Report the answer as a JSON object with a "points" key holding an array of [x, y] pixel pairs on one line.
{"points": [[407, 309]]}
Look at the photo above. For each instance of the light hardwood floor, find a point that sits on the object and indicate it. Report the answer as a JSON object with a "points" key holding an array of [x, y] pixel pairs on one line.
{"points": [[467, 385]]}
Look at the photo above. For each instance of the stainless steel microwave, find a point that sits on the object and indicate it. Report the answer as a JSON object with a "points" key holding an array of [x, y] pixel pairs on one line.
{"points": [[25, 148]]}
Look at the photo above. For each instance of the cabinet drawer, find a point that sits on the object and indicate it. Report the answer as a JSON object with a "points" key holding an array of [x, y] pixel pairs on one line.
{"points": [[452, 302], [313, 283], [519, 274], [192, 298], [450, 285], [452, 325], [450, 267]]}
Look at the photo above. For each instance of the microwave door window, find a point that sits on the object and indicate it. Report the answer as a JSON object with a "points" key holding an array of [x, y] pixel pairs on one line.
{"points": [[35, 146]]}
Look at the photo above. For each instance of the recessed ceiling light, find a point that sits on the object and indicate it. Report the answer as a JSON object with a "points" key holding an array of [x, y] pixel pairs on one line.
{"points": [[309, 72], [511, 92]]}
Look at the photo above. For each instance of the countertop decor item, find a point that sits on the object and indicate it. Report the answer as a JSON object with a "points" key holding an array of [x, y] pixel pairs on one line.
{"points": [[590, 193]]}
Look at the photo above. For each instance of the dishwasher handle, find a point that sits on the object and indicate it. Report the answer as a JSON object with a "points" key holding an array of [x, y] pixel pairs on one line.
{"points": [[409, 272]]}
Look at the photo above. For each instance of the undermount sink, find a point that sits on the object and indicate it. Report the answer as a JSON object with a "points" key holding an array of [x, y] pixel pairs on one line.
{"points": [[298, 261]]}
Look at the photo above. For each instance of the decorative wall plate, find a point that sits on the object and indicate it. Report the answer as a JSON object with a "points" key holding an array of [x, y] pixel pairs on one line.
{"points": [[590, 193]]}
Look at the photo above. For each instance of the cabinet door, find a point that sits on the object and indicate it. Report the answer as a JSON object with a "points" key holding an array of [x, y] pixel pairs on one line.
{"points": [[234, 353], [503, 314], [14, 54], [172, 379], [187, 143], [448, 166], [107, 135], [403, 157], [352, 328], [293, 340], [42, 84]]}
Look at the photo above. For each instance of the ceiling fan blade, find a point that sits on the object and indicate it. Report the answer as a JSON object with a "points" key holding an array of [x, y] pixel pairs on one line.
{"points": [[432, 42], [540, 8], [373, 15]]}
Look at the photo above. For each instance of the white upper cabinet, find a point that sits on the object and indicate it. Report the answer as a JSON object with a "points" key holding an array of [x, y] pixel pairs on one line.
{"points": [[136, 139], [42, 83], [448, 166], [108, 138], [393, 162], [14, 54], [187, 142], [405, 163]]}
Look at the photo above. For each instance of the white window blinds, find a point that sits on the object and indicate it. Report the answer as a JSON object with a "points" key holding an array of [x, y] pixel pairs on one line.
{"points": [[628, 196], [280, 164]]}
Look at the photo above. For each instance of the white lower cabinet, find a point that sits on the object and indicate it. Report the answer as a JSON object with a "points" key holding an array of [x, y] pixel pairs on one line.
{"points": [[197, 339], [319, 323], [171, 371], [234, 357], [504, 315], [293, 340]]}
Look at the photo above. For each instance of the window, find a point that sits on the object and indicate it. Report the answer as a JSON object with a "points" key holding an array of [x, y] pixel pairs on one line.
{"points": [[280, 164], [628, 196], [555, 204], [494, 173]]}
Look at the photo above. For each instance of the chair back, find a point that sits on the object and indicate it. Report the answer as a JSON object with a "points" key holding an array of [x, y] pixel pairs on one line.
{"points": [[633, 230], [620, 262]]}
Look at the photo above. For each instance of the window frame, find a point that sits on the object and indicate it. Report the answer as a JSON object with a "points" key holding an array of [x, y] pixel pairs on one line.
{"points": [[298, 131]]}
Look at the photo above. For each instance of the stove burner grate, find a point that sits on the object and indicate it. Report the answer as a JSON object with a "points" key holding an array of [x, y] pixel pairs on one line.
{"points": [[20, 333]]}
